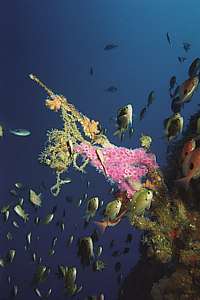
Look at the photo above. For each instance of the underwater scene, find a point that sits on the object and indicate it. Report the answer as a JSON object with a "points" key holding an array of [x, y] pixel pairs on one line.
{"points": [[100, 150]]}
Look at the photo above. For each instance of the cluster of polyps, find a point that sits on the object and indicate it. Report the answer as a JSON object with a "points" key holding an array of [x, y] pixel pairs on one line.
{"points": [[120, 163]]}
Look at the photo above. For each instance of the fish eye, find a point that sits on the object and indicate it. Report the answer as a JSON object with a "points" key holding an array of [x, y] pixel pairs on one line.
{"points": [[191, 166]]}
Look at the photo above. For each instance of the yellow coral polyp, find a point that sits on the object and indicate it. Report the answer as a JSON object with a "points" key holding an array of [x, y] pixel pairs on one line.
{"points": [[90, 127], [54, 104]]}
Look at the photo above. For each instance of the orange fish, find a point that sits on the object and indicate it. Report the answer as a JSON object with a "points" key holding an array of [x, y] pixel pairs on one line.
{"points": [[192, 169], [188, 147], [187, 89], [186, 153], [184, 93]]}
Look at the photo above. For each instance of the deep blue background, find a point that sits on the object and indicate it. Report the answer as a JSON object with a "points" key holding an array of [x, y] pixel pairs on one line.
{"points": [[59, 41]]}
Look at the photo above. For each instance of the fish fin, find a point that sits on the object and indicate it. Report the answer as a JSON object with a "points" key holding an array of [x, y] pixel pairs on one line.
{"points": [[119, 133], [102, 225], [131, 132], [87, 217], [175, 106], [183, 182]]}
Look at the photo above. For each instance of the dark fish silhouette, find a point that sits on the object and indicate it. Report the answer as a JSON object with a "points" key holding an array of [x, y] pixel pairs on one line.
{"points": [[172, 84], [168, 39], [181, 59], [151, 98], [117, 266], [142, 113], [110, 46], [91, 71], [186, 46], [111, 89]]}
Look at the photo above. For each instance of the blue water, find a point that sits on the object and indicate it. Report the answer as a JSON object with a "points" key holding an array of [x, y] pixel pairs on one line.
{"points": [[59, 41]]}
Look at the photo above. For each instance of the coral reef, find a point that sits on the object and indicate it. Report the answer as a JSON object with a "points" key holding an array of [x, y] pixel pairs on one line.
{"points": [[59, 153], [82, 136], [120, 164], [171, 227]]}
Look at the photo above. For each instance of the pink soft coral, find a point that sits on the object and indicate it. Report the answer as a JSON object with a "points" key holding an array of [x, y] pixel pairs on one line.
{"points": [[120, 164]]}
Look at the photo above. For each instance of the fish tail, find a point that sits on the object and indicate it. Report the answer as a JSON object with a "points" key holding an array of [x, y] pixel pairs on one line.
{"points": [[102, 225], [176, 106], [119, 133], [87, 217], [183, 182]]}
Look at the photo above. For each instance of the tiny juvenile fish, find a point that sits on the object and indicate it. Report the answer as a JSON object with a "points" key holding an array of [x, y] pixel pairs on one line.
{"points": [[91, 71], [20, 212], [15, 224], [15, 290], [10, 255], [1, 131], [99, 251], [38, 293], [18, 185], [111, 89], [151, 98], [168, 39], [172, 83], [142, 113], [48, 219], [41, 274], [28, 237], [186, 46], [70, 240], [110, 46], [181, 59], [34, 198], [98, 265]]}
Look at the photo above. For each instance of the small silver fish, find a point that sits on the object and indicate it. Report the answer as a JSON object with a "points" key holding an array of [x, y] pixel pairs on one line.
{"points": [[29, 238], [54, 241], [15, 224], [37, 291], [70, 240], [48, 219], [20, 132], [18, 185], [11, 255], [34, 198], [15, 290], [99, 250], [48, 293], [1, 131], [20, 212]]}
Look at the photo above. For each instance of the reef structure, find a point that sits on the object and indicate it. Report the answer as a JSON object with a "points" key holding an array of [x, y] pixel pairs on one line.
{"points": [[83, 137], [171, 232]]}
